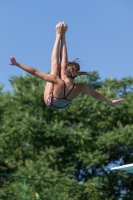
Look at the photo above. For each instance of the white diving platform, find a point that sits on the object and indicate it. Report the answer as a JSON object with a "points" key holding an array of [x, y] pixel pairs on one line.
{"points": [[124, 168]]}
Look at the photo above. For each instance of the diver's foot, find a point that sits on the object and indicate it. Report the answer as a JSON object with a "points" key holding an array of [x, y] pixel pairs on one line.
{"points": [[65, 27], [59, 28]]}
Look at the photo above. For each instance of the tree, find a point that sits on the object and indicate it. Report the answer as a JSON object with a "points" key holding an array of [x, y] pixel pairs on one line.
{"points": [[74, 148]]}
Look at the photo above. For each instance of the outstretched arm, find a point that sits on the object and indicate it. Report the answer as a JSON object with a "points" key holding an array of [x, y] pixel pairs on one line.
{"points": [[99, 96], [47, 77]]}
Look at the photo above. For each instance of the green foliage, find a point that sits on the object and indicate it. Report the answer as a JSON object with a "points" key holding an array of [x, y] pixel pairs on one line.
{"points": [[74, 148]]}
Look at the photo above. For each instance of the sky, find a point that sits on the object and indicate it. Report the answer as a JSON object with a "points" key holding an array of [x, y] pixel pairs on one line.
{"points": [[100, 34]]}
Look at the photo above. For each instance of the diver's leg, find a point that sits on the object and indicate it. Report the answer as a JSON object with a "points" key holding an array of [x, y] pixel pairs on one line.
{"points": [[63, 51], [55, 65]]}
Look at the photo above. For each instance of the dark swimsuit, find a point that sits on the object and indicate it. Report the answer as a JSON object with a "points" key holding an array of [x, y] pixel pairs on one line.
{"points": [[51, 97]]}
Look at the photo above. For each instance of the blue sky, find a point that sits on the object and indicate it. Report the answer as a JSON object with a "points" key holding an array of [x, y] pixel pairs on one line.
{"points": [[100, 34]]}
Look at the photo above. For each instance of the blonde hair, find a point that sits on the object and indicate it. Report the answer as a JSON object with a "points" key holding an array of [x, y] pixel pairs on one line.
{"points": [[72, 70]]}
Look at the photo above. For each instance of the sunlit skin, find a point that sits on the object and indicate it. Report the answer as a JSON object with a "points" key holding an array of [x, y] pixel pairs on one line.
{"points": [[55, 80]]}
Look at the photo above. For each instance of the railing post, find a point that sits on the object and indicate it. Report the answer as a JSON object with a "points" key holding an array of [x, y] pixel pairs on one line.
{"points": [[24, 189]]}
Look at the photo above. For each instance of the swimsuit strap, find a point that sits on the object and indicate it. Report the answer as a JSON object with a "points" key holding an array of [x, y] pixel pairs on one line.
{"points": [[64, 97], [69, 91]]}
